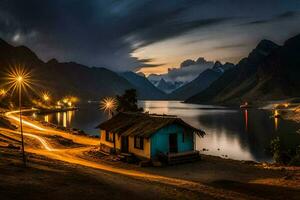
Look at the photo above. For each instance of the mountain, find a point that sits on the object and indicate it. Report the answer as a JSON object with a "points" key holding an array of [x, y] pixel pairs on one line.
{"points": [[168, 86], [154, 78], [270, 72], [187, 71], [201, 82], [63, 78], [144, 87], [218, 66]]}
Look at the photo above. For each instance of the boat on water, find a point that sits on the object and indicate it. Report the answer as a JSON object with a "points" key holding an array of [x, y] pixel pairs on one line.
{"points": [[245, 106]]}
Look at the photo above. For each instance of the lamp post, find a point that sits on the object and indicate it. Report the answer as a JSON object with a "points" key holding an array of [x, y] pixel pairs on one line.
{"points": [[19, 80]]}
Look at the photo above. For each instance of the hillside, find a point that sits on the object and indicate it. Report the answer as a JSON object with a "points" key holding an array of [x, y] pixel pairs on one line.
{"points": [[201, 82], [66, 78], [146, 89], [268, 73]]}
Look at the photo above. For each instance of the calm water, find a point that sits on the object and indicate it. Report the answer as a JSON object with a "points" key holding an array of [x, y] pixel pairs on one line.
{"points": [[237, 134]]}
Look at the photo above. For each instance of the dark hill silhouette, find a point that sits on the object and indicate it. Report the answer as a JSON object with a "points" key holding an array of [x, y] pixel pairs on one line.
{"points": [[269, 72], [201, 82], [64, 78], [145, 88]]}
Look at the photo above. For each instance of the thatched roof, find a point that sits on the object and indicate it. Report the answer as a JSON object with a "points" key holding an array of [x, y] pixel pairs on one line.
{"points": [[142, 124]]}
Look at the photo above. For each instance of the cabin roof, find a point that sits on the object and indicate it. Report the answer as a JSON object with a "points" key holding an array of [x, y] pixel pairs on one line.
{"points": [[143, 124]]}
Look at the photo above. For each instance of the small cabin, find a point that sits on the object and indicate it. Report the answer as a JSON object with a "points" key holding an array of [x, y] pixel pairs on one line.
{"points": [[148, 135]]}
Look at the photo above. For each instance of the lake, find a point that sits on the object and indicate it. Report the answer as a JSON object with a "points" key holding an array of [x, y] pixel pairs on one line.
{"points": [[230, 133]]}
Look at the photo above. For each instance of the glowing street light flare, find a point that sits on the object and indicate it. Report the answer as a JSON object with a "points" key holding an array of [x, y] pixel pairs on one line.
{"points": [[19, 78], [108, 104], [46, 96], [2, 92]]}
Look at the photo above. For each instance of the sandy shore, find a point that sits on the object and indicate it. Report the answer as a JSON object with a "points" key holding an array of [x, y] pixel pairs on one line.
{"points": [[61, 167]]}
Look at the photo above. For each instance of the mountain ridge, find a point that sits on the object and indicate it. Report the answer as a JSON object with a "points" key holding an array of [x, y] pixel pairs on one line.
{"points": [[64, 78], [268, 73], [201, 82]]}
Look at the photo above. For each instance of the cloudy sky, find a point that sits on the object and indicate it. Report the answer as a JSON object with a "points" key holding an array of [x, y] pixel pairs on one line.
{"points": [[146, 35]]}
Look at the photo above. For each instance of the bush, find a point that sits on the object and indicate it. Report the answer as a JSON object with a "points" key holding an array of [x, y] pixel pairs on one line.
{"points": [[281, 155]]}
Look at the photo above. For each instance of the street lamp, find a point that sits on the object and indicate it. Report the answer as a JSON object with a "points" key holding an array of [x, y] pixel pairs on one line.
{"points": [[108, 104], [20, 85], [18, 79]]}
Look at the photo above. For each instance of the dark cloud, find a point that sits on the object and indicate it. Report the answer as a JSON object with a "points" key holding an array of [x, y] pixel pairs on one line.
{"points": [[230, 46], [146, 63], [106, 32], [283, 16]]}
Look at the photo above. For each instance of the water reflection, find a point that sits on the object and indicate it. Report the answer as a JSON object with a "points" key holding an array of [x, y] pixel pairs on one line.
{"points": [[86, 119], [276, 114], [69, 116], [58, 117], [239, 134], [46, 118], [246, 120], [64, 119]]}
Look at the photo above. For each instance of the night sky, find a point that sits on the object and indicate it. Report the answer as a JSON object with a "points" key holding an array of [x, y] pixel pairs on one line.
{"points": [[150, 35]]}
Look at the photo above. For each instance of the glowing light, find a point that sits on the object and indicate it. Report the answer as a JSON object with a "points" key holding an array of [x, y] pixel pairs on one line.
{"points": [[2, 92], [246, 120], [25, 122], [69, 103], [46, 118], [74, 99], [276, 114], [46, 96], [108, 104], [70, 116], [58, 117], [64, 119], [18, 78]]}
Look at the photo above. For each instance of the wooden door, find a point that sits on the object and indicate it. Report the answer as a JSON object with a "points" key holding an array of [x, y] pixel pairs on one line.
{"points": [[124, 144], [173, 144]]}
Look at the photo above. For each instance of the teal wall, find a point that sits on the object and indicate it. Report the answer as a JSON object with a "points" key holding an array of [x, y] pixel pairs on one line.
{"points": [[160, 140]]}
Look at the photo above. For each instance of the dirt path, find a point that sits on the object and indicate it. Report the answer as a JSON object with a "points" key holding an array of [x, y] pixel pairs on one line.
{"points": [[75, 156]]}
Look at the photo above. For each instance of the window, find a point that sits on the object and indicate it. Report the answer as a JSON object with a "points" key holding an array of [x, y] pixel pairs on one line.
{"points": [[138, 142], [109, 137]]}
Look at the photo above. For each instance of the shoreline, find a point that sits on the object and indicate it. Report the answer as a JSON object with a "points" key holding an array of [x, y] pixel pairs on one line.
{"points": [[43, 111], [75, 131], [211, 177]]}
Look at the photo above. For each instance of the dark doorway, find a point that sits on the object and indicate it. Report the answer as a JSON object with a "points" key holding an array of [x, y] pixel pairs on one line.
{"points": [[173, 145], [124, 144]]}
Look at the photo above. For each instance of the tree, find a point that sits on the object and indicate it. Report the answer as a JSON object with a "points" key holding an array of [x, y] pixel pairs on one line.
{"points": [[128, 102]]}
